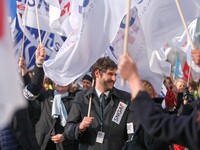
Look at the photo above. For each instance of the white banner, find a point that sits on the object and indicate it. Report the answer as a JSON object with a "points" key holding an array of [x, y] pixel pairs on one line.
{"points": [[59, 12], [99, 23], [137, 49], [161, 21], [29, 15], [183, 43]]}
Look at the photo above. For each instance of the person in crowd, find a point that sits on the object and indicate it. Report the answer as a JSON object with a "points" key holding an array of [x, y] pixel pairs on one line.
{"points": [[105, 126], [19, 134], [86, 81], [48, 84], [43, 113], [168, 82], [192, 88], [183, 130], [75, 87], [139, 139], [55, 106], [33, 107], [180, 85], [171, 101]]}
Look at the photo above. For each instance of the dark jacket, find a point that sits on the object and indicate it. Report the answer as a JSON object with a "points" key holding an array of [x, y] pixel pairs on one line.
{"points": [[21, 125], [47, 126], [183, 130], [140, 139], [115, 134]]}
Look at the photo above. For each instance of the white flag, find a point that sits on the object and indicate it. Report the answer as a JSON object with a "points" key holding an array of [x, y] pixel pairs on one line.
{"points": [[137, 49], [51, 41], [99, 23], [161, 21], [29, 15], [59, 11], [183, 43], [11, 92]]}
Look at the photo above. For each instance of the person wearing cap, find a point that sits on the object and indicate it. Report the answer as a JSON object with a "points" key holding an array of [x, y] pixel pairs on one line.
{"points": [[87, 82]]}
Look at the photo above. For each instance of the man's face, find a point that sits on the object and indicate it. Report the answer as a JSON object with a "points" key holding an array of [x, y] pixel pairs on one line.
{"points": [[107, 79], [180, 86], [86, 84]]}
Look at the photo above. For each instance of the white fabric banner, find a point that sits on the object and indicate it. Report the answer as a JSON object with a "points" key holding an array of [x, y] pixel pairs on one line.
{"points": [[11, 92], [183, 43], [29, 15], [99, 23], [137, 49], [51, 41], [59, 12], [161, 21]]}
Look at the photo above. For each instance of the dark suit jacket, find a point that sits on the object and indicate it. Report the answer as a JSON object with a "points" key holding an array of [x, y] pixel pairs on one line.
{"points": [[183, 130], [115, 134]]}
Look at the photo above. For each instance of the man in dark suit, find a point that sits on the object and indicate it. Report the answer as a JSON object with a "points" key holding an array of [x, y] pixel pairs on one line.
{"points": [[105, 127]]}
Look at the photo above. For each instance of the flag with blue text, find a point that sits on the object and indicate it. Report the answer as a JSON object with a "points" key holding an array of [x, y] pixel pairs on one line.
{"points": [[51, 41]]}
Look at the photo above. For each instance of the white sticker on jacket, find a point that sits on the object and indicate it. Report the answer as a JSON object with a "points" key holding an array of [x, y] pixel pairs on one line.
{"points": [[119, 112], [130, 128]]}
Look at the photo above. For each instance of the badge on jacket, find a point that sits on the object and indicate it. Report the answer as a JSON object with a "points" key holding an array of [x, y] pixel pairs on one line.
{"points": [[119, 112]]}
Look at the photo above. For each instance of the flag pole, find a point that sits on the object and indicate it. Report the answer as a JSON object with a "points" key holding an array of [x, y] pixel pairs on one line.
{"points": [[188, 34], [44, 38], [90, 102], [37, 19], [125, 50]]}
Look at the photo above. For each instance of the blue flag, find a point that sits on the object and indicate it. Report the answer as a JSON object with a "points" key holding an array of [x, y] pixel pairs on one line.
{"points": [[178, 73]]}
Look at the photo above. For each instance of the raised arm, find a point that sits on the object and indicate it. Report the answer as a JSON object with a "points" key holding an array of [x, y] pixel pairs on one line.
{"points": [[32, 90], [184, 130]]}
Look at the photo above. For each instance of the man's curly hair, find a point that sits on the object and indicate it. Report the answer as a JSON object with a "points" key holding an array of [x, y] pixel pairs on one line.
{"points": [[103, 64]]}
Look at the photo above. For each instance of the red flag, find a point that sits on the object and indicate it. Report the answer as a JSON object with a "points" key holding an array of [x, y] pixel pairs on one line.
{"points": [[2, 17], [178, 147], [186, 69]]}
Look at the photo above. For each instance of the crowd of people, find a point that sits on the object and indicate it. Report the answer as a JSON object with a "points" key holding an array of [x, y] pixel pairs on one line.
{"points": [[94, 115]]}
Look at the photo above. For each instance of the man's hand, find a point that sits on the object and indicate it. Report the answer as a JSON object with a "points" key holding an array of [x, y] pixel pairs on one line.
{"points": [[40, 55], [22, 65], [58, 138], [86, 122], [128, 70]]}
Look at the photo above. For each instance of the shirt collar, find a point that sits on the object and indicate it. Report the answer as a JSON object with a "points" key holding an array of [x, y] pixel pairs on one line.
{"points": [[99, 93]]}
